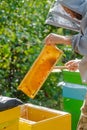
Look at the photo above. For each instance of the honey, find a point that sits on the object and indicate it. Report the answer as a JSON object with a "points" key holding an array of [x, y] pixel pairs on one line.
{"points": [[40, 70]]}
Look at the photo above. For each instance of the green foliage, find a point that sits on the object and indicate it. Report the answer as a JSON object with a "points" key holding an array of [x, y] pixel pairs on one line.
{"points": [[22, 33], [50, 95]]}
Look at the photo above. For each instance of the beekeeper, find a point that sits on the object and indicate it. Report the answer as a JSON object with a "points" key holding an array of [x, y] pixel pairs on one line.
{"points": [[71, 14]]}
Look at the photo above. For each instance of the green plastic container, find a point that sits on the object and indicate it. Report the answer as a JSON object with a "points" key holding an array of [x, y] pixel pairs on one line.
{"points": [[73, 107], [72, 77]]}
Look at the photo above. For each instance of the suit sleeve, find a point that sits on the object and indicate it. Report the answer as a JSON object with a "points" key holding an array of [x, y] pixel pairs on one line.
{"points": [[79, 44], [79, 41]]}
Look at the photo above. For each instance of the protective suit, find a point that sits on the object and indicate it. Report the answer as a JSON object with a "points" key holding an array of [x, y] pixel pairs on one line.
{"points": [[59, 17]]}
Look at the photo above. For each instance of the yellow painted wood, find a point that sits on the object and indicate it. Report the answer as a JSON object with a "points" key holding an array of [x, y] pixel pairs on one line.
{"points": [[57, 123], [10, 125], [10, 114], [25, 124], [9, 119], [41, 118]]}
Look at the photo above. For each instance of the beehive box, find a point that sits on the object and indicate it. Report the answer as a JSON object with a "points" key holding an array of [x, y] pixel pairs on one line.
{"points": [[41, 118], [9, 119], [74, 92]]}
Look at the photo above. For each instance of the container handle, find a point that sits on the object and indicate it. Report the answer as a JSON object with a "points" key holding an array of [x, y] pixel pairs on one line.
{"points": [[60, 67]]}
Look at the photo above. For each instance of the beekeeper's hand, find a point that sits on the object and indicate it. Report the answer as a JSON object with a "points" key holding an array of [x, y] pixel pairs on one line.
{"points": [[73, 65], [53, 39]]}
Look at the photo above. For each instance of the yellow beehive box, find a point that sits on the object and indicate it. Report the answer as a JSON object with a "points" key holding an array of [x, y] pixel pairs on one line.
{"points": [[40, 70], [9, 119], [40, 118]]}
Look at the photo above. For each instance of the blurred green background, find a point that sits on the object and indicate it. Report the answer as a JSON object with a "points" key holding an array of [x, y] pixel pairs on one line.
{"points": [[22, 33]]}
